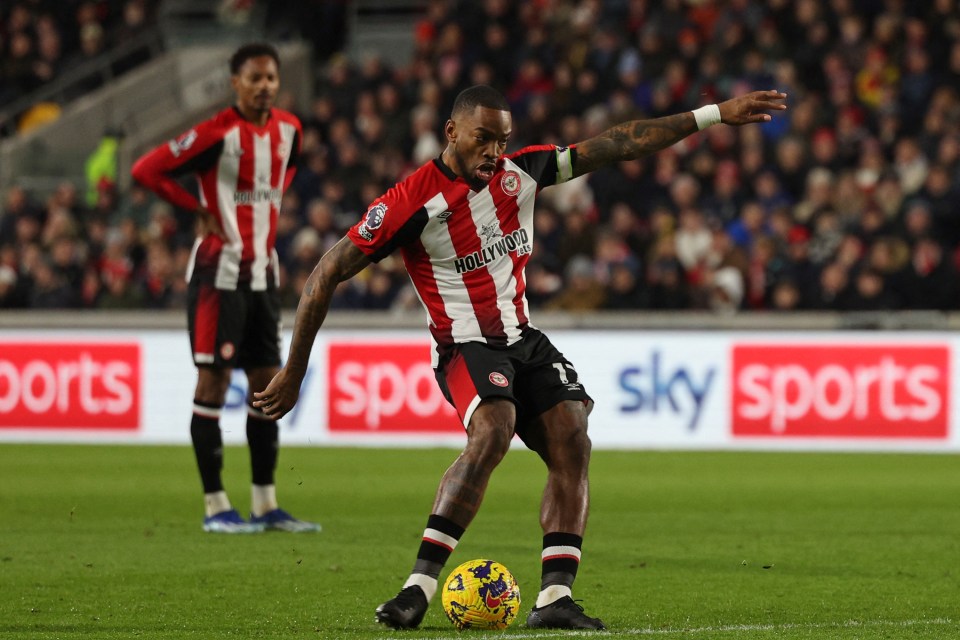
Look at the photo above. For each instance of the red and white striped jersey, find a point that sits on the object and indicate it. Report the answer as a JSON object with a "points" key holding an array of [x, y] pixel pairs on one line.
{"points": [[242, 170], [466, 250]]}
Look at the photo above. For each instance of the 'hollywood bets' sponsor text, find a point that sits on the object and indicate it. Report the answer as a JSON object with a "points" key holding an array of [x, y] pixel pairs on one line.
{"points": [[514, 242]]}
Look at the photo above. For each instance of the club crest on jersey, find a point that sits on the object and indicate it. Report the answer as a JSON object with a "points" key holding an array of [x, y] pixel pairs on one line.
{"points": [[184, 142], [372, 220], [499, 379], [510, 183]]}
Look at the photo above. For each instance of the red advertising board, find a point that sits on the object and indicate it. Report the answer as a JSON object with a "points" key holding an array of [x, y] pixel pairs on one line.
{"points": [[840, 391], [73, 385], [386, 388]]}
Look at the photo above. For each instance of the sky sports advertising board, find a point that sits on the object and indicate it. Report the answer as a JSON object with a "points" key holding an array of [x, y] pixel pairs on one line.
{"points": [[823, 391]]}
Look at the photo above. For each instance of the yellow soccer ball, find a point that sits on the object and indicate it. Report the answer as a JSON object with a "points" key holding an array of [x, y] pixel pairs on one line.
{"points": [[481, 594]]}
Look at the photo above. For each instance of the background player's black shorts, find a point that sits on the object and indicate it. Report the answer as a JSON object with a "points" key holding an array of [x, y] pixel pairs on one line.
{"points": [[233, 328], [532, 373]]}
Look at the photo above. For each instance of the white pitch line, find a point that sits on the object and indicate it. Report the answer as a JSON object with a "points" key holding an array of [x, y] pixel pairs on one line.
{"points": [[850, 624]]}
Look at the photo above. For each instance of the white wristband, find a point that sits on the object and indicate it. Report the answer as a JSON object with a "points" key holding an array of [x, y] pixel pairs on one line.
{"points": [[706, 116]]}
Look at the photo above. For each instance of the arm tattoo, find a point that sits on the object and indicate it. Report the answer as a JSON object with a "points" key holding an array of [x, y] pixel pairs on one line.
{"points": [[632, 140]]}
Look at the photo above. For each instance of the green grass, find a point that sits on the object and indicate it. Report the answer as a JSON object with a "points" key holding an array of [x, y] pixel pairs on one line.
{"points": [[105, 542]]}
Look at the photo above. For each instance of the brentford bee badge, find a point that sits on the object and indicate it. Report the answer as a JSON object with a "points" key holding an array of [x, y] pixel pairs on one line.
{"points": [[510, 183]]}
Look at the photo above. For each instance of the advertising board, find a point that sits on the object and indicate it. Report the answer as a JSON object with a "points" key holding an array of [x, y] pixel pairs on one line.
{"points": [[671, 390]]}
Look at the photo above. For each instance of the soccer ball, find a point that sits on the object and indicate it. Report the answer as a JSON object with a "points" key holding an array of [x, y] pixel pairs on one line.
{"points": [[481, 594]]}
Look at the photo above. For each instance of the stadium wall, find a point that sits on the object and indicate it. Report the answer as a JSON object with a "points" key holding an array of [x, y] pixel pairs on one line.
{"points": [[669, 389]]}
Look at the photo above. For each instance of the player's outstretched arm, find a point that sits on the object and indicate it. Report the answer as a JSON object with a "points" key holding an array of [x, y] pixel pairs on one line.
{"points": [[341, 263], [638, 138]]}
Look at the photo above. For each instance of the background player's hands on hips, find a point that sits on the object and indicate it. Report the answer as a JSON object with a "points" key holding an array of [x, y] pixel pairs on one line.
{"points": [[207, 224], [280, 395], [751, 107]]}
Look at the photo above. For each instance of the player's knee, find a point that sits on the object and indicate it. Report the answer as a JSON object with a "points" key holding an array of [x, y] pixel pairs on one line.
{"points": [[570, 446], [577, 448], [212, 386], [488, 441]]}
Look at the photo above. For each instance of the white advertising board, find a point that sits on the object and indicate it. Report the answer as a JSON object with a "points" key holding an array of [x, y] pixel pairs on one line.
{"points": [[689, 390]]}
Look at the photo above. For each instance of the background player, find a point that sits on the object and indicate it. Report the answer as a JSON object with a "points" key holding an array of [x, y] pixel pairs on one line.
{"points": [[464, 225], [243, 158]]}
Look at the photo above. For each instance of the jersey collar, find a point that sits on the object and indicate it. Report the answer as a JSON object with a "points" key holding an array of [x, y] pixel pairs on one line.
{"points": [[236, 109], [444, 169]]}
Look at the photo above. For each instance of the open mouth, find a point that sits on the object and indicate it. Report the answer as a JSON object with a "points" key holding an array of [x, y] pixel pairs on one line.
{"points": [[485, 171]]}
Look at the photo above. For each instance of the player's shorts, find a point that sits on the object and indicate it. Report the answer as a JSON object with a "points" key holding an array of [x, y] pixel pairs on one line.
{"points": [[532, 374], [233, 329]]}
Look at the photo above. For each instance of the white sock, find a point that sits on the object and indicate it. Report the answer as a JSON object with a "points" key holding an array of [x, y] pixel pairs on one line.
{"points": [[263, 498], [216, 502], [425, 582], [553, 593]]}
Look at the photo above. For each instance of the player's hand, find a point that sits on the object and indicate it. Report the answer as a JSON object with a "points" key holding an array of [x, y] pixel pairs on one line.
{"points": [[751, 107], [207, 224], [280, 395]]}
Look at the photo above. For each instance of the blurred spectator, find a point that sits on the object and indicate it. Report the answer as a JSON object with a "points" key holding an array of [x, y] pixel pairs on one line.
{"points": [[786, 296], [931, 278], [832, 291], [11, 296], [726, 290], [583, 291], [869, 293]]}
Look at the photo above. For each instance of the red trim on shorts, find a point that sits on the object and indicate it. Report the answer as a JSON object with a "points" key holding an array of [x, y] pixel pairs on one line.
{"points": [[206, 321], [460, 384]]}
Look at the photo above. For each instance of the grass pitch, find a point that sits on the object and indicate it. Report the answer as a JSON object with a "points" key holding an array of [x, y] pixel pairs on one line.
{"points": [[105, 542]]}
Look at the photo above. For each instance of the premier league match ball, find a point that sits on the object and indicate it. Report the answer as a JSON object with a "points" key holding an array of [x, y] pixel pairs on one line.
{"points": [[481, 594]]}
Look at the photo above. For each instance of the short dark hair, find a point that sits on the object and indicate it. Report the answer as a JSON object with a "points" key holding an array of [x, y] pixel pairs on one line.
{"points": [[479, 95], [252, 50]]}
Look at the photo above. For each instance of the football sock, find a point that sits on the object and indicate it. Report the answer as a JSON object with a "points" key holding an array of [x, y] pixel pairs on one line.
{"points": [[560, 561], [216, 502], [440, 538], [207, 445], [263, 498], [263, 439]]}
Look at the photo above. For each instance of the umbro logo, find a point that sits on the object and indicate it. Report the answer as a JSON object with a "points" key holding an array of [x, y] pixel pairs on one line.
{"points": [[443, 216]]}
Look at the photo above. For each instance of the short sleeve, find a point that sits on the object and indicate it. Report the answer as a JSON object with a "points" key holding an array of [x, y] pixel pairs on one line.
{"points": [[388, 224], [547, 164]]}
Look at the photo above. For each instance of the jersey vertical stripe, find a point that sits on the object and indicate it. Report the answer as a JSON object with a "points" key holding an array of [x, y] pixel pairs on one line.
{"points": [[229, 181], [288, 136], [260, 222], [242, 210], [429, 272], [512, 218], [478, 286]]}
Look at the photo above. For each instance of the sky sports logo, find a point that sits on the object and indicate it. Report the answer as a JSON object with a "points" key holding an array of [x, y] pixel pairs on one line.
{"points": [[388, 388], [70, 385], [840, 391]]}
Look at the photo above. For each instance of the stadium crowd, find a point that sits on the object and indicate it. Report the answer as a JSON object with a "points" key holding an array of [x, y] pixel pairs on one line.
{"points": [[848, 201], [41, 39]]}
